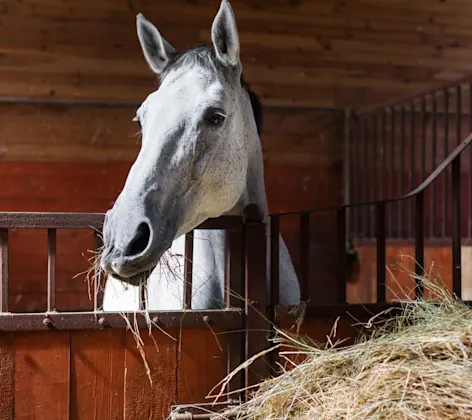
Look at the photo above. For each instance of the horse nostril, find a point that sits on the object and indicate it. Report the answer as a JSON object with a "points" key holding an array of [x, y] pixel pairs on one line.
{"points": [[140, 241]]}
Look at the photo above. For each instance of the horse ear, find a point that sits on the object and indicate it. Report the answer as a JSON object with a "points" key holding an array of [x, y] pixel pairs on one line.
{"points": [[224, 35], [156, 49]]}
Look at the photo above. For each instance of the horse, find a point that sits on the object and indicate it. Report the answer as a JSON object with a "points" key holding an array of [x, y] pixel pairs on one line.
{"points": [[200, 158]]}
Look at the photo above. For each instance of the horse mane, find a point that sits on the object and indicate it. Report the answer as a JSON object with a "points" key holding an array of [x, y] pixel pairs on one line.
{"points": [[205, 56]]}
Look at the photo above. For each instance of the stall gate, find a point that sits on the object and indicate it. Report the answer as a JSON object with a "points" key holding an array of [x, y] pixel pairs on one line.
{"points": [[87, 365]]}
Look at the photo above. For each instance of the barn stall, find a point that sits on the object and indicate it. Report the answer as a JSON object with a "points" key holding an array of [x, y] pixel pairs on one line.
{"points": [[73, 75]]}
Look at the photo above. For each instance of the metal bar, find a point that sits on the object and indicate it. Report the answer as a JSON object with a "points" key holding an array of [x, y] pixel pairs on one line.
{"points": [[423, 139], [188, 270], [411, 208], [445, 197], [274, 260], [305, 256], [360, 311], [97, 277], [341, 255], [459, 114], [255, 302], [366, 181], [392, 170], [469, 213], [374, 175], [235, 281], [51, 270], [228, 318], [384, 155], [4, 271], [419, 242], [23, 220], [401, 206], [456, 227], [434, 123], [381, 254]]}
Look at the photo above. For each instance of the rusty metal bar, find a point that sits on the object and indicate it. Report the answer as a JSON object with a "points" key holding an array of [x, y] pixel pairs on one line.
{"points": [[434, 122], [22, 220], [459, 114], [97, 276], [274, 260], [228, 318], [419, 242], [470, 165], [381, 253], [411, 207], [255, 302], [341, 255], [456, 227], [305, 256], [4, 271], [51, 270], [446, 153], [423, 139], [188, 269]]}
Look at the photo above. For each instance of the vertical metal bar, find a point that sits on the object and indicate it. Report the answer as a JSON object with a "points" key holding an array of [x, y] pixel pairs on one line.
{"points": [[419, 242], [423, 145], [392, 171], [188, 269], [347, 180], [235, 281], [401, 203], [255, 302], [305, 256], [434, 123], [341, 251], [469, 213], [97, 284], [51, 270], [459, 114], [366, 182], [352, 175], [384, 155], [274, 260], [445, 197], [411, 208], [456, 227], [381, 253], [4, 271], [374, 175]]}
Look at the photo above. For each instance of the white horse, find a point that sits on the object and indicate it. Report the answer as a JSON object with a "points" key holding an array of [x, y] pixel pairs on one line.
{"points": [[200, 158]]}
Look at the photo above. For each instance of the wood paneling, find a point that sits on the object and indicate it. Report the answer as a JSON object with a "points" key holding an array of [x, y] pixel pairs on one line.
{"points": [[7, 371], [339, 53]]}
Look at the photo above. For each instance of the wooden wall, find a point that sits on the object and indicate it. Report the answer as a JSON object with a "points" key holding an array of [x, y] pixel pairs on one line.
{"points": [[295, 52]]}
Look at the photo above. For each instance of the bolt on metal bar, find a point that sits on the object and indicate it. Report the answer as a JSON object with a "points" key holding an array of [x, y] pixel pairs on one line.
{"points": [[305, 255], [51, 270], [188, 269], [381, 253], [4, 271], [341, 255]]}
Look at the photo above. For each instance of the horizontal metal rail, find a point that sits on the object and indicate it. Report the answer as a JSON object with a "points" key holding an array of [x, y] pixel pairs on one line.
{"points": [[230, 318]]}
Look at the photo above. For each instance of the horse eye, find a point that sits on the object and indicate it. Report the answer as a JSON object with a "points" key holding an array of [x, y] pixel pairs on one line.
{"points": [[215, 119]]}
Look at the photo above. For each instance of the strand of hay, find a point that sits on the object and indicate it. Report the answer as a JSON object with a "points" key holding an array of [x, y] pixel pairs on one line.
{"points": [[414, 366]]}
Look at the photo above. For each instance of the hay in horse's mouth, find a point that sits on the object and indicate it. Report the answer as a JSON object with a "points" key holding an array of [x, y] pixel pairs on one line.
{"points": [[136, 279]]}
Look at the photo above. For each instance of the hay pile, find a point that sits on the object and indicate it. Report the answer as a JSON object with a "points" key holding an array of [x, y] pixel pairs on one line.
{"points": [[417, 365]]}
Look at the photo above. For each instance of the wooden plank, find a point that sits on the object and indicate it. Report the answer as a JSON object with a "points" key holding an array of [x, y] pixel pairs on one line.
{"points": [[97, 375], [42, 375], [7, 371], [143, 400], [202, 363], [311, 53]]}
